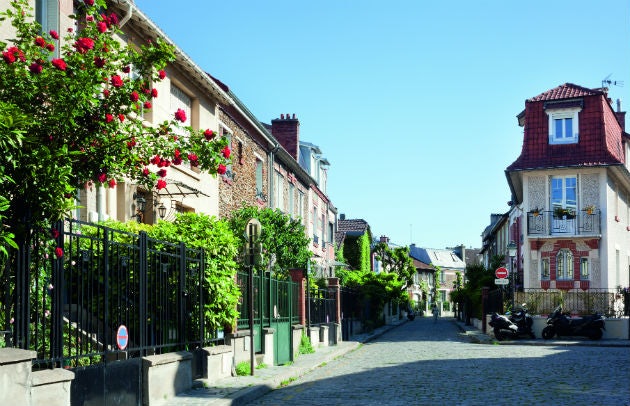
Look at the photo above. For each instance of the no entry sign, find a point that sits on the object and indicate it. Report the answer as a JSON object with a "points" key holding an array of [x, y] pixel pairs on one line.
{"points": [[122, 337], [501, 273]]}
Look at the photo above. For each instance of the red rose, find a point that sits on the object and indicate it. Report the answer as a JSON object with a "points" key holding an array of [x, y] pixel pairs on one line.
{"points": [[180, 115], [59, 252], [112, 19], [84, 44], [145, 172], [147, 105], [54, 34], [161, 74], [89, 2], [102, 177], [108, 118], [106, 92], [8, 57], [209, 134], [99, 62], [54, 233], [121, 117], [59, 64], [154, 93], [162, 173], [35, 68], [134, 96], [226, 152], [50, 47], [112, 183], [40, 42], [221, 169], [101, 26], [116, 81], [161, 184], [126, 69], [89, 18]]}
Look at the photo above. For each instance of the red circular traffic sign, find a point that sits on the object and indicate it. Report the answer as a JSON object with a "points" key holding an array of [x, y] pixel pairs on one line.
{"points": [[501, 273], [122, 337]]}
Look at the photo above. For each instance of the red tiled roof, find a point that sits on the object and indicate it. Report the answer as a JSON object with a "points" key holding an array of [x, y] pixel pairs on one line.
{"points": [[566, 91], [600, 138]]}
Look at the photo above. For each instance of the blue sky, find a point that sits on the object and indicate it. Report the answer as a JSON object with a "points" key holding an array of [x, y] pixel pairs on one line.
{"points": [[413, 102]]}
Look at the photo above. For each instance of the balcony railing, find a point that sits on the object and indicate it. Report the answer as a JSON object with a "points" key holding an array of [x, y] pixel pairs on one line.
{"points": [[546, 223]]}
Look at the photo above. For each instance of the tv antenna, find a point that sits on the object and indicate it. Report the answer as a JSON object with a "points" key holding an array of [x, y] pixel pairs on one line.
{"points": [[607, 82]]}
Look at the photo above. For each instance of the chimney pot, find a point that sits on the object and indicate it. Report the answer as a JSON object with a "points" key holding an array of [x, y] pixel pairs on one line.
{"points": [[281, 116], [294, 116]]}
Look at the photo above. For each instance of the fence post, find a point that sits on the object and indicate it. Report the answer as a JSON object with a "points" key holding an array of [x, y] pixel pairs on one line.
{"points": [[335, 293], [181, 300], [57, 299], [484, 303], [142, 303], [297, 276]]}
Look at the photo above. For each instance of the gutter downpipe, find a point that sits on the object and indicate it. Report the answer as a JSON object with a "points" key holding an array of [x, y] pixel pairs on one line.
{"points": [[127, 16]]}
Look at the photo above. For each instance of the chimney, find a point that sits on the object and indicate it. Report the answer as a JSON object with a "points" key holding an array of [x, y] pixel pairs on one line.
{"points": [[621, 116], [286, 129], [342, 216], [384, 239]]}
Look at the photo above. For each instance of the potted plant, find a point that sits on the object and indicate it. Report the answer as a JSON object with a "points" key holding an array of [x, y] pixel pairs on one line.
{"points": [[560, 212], [536, 212], [590, 209]]}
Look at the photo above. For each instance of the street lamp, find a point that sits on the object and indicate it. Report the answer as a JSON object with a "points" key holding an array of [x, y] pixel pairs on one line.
{"points": [[511, 248]]}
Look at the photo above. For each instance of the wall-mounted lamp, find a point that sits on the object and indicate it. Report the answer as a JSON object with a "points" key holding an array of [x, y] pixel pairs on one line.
{"points": [[141, 205], [162, 210]]}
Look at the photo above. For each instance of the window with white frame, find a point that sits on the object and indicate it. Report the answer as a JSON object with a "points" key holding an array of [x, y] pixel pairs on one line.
{"points": [[47, 15], [584, 269], [563, 126], [544, 269], [279, 191], [259, 179], [564, 265], [300, 208], [564, 192], [180, 100], [291, 207]]}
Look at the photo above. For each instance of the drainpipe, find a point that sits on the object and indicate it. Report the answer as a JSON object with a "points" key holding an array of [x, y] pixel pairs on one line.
{"points": [[127, 16], [272, 158]]}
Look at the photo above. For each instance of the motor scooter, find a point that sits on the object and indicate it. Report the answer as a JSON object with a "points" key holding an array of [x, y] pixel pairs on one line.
{"points": [[517, 325], [588, 326]]}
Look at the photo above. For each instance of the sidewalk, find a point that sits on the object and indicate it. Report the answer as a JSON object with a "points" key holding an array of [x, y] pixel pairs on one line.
{"points": [[479, 337], [240, 390]]}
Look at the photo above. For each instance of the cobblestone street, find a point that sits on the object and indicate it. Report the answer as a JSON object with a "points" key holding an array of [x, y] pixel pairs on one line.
{"points": [[425, 363]]}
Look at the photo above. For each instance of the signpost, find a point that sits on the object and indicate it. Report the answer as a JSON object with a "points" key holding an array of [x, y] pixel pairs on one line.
{"points": [[252, 256], [122, 337], [501, 274]]}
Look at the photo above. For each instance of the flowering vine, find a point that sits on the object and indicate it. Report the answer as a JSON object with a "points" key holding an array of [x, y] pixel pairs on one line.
{"points": [[83, 97]]}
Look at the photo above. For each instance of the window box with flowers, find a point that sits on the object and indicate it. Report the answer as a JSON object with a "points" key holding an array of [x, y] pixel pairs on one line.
{"points": [[563, 212], [590, 209], [536, 212]]}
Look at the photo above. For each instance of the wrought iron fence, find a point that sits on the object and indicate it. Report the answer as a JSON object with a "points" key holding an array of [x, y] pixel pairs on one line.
{"points": [[323, 307], [70, 308], [607, 302], [549, 223]]}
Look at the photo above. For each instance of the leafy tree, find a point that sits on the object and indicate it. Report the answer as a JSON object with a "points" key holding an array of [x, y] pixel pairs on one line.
{"points": [[82, 116], [478, 276], [283, 238], [396, 260]]}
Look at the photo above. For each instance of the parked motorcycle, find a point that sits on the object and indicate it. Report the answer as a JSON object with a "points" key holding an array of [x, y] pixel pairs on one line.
{"points": [[411, 315], [588, 326], [517, 325]]}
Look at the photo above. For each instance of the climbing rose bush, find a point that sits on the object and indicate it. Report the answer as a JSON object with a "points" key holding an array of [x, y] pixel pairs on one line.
{"points": [[83, 97]]}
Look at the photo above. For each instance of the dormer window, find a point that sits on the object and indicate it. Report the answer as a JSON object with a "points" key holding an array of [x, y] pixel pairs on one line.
{"points": [[563, 121]]}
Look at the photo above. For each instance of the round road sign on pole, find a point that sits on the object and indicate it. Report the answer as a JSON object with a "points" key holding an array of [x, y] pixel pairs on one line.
{"points": [[501, 273], [122, 337]]}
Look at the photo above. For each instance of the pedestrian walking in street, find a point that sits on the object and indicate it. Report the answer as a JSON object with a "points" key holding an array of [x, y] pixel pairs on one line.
{"points": [[436, 312]]}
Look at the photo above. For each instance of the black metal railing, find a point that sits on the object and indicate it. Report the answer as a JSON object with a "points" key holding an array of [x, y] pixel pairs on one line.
{"points": [[547, 223], [323, 307], [607, 302], [70, 308]]}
